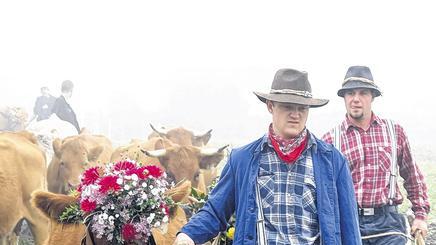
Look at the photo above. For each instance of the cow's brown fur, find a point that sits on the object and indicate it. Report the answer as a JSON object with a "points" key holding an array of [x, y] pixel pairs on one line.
{"points": [[22, 171], [182, 136], [132, 151], [72, 156]]}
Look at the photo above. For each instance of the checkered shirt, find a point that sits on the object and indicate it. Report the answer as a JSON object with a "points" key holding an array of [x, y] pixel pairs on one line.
{"points": [[369, 156], [288, 197]]}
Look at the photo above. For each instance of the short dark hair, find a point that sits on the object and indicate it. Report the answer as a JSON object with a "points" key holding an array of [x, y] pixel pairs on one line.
{"points": [[67, 86]]}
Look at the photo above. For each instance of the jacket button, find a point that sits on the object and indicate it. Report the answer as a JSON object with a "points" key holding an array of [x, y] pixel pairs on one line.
{"points": [[250, 237], [251, 210]]}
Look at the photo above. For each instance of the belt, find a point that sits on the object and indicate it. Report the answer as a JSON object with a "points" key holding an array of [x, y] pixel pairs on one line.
{"points": [[377, 211]]}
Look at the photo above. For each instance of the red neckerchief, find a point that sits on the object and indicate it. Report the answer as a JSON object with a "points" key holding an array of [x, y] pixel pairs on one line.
{"points": [[288, 150]]}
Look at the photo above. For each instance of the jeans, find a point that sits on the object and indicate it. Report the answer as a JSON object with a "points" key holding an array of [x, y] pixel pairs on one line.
{"points": [[387, 222]]}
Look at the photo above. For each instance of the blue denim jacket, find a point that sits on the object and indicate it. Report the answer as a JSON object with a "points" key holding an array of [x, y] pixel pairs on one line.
{"points": [[235, 192]]}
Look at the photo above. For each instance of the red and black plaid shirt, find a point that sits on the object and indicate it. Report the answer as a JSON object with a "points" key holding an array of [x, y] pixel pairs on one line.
{"points": [[369, 156]]}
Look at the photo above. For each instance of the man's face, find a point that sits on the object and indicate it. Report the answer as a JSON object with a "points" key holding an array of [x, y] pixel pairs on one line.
{"points": [[358, 103], [288, 119]]}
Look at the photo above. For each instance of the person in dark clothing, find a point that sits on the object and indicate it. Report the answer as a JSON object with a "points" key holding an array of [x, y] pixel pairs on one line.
{"points": [[44, 105], [62, 108]]}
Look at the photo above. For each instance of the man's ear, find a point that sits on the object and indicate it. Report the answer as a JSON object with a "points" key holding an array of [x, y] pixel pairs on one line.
{"points": [[269, 105]]}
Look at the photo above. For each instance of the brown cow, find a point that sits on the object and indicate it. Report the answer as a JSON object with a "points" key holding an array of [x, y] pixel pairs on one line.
{"points": [[185, 162], [182, 136], [22, 171], [72, 156], [52, 205]]}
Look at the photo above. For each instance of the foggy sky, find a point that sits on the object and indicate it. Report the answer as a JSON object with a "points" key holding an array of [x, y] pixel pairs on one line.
{"points": [[195, 63]]}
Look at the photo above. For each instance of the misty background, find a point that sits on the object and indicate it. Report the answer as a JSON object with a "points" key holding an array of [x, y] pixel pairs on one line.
{"points": [[196, 63]]}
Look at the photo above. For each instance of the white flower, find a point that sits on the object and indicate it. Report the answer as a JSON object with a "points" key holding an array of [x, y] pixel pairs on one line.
{"points": [[164, 210], [144, 184], [134, 177], [126, 187], [151, 187], [130, 193], [165, 219], [150, 218], [117, 215], [134, 183], [119, 181], [144, 196], [154, 192], [157, 224], [105, 216]]}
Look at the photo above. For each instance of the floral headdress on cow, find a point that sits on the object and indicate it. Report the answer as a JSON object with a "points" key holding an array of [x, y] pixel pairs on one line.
{"points": [[121, 202]]}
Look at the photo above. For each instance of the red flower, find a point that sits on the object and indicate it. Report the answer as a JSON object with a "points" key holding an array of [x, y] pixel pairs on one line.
{"points": [[154, 171], [167, 209], [90, 176], [124, 165], [88, 206], [107, 183], [128, 232], [138, 171]]}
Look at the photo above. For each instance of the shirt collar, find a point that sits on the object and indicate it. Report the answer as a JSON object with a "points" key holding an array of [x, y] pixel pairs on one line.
{"points": [[347, 124]]}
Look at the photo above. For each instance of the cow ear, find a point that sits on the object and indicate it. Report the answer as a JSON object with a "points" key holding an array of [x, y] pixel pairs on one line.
{"points": [[204, 139], [57, 145], [50, 204], [208, 162], [94, 153], [179, 192]]}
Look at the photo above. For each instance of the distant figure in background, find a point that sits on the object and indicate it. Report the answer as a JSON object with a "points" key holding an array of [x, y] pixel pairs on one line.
{"points": [[62, 107], [44, 105]]}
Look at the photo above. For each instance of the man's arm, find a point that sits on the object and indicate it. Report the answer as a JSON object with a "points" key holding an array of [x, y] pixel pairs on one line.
{"points": [[347, 203], [213, 217], [414, 182]]}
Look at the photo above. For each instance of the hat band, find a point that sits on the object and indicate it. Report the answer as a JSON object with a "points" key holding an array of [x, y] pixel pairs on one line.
{"points": [[362, 79], [291, 91]]}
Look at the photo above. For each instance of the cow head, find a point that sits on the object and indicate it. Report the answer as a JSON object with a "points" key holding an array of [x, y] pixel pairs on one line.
{"points": [[72, 156], [185, 162], [183, 136]]}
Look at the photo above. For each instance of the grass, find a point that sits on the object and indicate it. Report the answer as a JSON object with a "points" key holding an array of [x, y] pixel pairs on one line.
{"points": [[429, 171]]}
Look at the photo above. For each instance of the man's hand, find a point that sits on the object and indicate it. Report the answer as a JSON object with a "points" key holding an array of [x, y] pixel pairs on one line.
{"points": [[420, 226], [183, 239]]}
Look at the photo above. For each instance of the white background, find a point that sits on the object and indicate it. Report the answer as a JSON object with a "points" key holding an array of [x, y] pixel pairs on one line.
{"points": [[196, 63]]}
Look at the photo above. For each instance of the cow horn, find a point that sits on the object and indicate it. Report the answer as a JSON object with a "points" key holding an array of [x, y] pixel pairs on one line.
{"points": [[207, 133], [155, 153], [161, 133], [212, 151]]}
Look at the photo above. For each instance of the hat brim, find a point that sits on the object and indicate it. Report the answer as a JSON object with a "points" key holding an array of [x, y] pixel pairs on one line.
{"points": [[291, 98], [355, 84]]}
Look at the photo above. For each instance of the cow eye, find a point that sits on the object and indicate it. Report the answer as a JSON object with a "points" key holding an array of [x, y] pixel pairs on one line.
{"points": [[197, 176]]}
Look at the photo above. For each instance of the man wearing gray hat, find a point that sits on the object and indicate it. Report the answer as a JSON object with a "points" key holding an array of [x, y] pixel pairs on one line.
{"points": [[367, 141], [287, 187]]}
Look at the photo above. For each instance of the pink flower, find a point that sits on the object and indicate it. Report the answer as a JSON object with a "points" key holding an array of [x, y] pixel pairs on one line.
{"points": [[128, 232], [88, 206], [154, 171], [124, 165], [109, 183], [90, 176]]}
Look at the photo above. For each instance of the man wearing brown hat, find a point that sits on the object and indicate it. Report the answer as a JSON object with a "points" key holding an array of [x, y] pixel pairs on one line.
{"points": [[287, 187], [367, 142]]}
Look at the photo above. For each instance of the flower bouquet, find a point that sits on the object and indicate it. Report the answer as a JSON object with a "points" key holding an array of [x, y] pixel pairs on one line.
{"points": [[121, 202]]}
